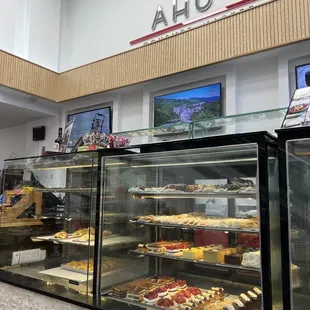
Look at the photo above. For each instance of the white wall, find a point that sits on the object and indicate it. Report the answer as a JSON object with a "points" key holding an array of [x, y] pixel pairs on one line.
{"points": [[31, 29], [96, 29], [12, 143]]}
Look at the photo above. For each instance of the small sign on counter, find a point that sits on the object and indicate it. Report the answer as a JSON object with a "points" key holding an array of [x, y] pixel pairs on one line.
{"points": [[28, 256]]}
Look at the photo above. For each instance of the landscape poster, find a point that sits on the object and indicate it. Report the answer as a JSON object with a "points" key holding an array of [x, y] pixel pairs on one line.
{"points": [[196, 104]]}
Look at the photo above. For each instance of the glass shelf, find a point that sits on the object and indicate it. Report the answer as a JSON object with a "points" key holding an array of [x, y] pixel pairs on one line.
{"points": [[176, 195], [200, 262], [192, 227], [268, 120], [66, 190]]}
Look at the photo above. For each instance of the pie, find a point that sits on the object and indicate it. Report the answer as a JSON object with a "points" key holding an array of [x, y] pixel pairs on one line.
{"points": [[61, 235], [298, 108]]}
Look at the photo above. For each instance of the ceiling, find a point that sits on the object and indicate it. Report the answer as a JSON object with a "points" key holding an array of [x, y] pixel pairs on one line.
{"points": [[13, 116]]}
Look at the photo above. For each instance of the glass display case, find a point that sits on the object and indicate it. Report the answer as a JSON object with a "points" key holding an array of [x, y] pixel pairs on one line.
{"points": [[193, 224], [47, 224], [294, 163]]}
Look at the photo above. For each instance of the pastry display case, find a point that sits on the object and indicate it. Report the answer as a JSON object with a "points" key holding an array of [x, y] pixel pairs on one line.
{"points": [[294, 167], [47, 224], [196, 225]]}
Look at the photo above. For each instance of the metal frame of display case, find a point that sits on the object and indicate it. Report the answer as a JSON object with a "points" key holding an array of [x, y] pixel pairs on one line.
{"points": [[263, 140], [285, 135]]}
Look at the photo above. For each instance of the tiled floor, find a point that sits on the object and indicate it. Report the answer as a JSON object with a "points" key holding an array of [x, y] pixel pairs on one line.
{"points": [[14, 298]]}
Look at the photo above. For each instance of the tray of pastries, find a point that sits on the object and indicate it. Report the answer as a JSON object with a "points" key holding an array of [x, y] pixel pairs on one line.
{"points": [[238, 255], [200, 220], [237, 185], [82, 236], [170, 293], [87, 266]]}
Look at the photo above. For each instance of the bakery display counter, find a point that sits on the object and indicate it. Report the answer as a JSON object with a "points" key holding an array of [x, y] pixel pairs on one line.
{"points": [[59, 192], [294, 167], [204, 212]]}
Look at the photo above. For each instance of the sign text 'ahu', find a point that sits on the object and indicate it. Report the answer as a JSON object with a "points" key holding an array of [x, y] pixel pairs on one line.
{"points": [[161, 17]]}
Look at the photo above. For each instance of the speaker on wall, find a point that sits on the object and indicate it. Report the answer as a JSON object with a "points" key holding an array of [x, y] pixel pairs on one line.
{"points": [[38, 133]]}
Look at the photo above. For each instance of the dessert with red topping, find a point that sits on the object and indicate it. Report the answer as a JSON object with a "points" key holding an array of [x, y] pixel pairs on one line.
{"points": [[173, 287], [180, 300], [176, 247], [165, 303], [194, 291], [151, 297], [187, 294], [182, 284], [162, 291], [135, 293], [166, 279]]}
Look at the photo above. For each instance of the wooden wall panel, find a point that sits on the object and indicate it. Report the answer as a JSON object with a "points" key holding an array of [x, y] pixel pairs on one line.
{"points": [[272, 25], [275, 24], [27, 77]]}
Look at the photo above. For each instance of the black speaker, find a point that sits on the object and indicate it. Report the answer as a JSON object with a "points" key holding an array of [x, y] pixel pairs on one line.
{"points": [[38, 133]]}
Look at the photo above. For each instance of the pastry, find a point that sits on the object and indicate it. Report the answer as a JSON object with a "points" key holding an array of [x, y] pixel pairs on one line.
{"points": [[142, 248], [219, 290], [251, 260], [157, 247], [242, 182], [163, 291], [213, 256], [258, 292], [135, 293], [173, 287], [181, 284], [61, 235], [246, 301], [190, 254], [233, 259], [86, 238], [120, 291], [238, 304], [151, 298], [80, 232], [166, 279], [254, 299], [165, 303], [106, 233]]}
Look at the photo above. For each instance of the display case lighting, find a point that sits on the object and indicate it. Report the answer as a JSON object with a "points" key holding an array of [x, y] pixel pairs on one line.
{"points": [[78, 166], [211, 162]]}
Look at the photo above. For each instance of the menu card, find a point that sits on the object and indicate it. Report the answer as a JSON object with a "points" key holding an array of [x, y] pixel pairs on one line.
{"points": [[298, 113]]}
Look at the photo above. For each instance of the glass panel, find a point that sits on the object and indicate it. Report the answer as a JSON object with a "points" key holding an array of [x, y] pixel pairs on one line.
{"points": [[47, 223], [268, 120], [184, 223], [157, 134], [298, 178]]}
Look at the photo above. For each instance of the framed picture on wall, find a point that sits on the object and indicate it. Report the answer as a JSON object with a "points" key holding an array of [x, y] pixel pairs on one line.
{"points": [[86, 121], [298, 113]]}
